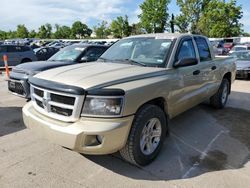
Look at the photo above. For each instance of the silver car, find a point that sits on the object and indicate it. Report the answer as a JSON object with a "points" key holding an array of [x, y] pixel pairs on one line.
{"points": [[16, 54]]}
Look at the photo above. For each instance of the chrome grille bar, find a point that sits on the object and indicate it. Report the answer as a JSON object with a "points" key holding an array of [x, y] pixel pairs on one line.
{"points": [[55, 109]]}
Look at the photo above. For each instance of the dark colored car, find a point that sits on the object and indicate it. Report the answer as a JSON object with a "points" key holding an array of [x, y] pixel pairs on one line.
{"points": [[16, 54], [45, 53], [242, 63], [18, 82]]}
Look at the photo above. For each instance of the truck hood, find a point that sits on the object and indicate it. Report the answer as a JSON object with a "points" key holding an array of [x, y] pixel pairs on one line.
{"points": [[38, 66], [242, 64], [99, 75]]}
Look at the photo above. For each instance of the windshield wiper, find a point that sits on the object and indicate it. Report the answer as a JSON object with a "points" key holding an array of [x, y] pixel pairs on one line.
{"points": [[131, 61]]}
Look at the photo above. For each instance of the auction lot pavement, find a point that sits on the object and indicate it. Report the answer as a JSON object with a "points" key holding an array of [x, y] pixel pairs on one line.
{"points": [[206, 148]]}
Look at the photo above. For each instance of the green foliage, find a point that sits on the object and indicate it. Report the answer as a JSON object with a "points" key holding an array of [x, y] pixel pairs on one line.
{"points": [[102, 30], [213, 18], [154, 15], [22, 31], [62, 32], [120, 27], [136, 29], [191, 12], [221, 19], [80, 30], [45, 31], [32, 34], [3, 35]]}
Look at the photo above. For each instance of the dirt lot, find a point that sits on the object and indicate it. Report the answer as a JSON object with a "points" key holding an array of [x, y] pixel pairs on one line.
{"points": [[206, 148]]}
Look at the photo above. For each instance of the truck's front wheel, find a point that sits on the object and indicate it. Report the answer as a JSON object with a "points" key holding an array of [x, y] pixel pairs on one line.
{"points": [[146, 136], [219, 100]]}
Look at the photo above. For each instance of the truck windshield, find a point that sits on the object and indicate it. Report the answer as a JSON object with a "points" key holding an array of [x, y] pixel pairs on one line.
{"points": [[141, 51], [70, 53]]}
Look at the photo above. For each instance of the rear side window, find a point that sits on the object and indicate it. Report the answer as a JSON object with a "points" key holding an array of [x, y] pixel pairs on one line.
{"points": [[186, 50], [3, 49], [14, 48], [203, 49], [25, 48]]}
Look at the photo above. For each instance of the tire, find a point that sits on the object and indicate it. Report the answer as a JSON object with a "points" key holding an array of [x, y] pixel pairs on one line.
{"points": [[219, 100], [26, 60], [137, 153]]}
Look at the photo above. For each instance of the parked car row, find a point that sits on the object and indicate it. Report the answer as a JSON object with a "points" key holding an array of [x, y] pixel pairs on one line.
{"points": [[123, 101], [21, 51], [74, 54]]}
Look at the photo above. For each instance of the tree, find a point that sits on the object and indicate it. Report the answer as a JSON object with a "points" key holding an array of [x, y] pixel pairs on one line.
{"points": [[80, 30], [102, 30], [32, 34], [221, 19], [120, 27], [182, 23], [191, 11], [45, 31], [3, 35], [136, 29], [62, 32], [154, 15], [22, 31]]}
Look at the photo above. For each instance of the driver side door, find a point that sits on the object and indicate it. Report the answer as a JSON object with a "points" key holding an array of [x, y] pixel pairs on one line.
{"points": [[187, 80]]}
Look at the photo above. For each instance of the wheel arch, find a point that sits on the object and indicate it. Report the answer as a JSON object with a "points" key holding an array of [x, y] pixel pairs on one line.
{"points": [[228, 76], [160, 102]]}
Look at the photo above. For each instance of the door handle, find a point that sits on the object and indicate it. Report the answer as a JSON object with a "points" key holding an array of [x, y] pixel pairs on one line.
{"points": [[213, 67], [196, 72]]}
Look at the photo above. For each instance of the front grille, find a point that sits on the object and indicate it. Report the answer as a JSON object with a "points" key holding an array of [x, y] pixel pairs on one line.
{"points": [[61, 106], [38, 92], [16, 87], [62, 99], [61, 111]]}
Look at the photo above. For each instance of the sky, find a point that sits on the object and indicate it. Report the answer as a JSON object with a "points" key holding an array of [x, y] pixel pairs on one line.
{"points": [[34, 13]]}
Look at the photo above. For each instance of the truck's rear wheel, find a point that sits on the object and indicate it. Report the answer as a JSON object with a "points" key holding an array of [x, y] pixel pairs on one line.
{"points": [[219, 100], [146, 136]]}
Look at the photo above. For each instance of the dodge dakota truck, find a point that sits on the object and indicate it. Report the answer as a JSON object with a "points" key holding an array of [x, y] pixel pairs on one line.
{"points": [[124, 101]]}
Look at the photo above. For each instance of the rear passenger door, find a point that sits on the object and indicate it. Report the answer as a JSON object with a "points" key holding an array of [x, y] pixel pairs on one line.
{"points": [[14, 55], [207, 67]]}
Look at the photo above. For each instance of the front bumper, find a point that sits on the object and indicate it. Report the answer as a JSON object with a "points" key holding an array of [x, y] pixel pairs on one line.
{"points": [[242, 73], [81, 136]]}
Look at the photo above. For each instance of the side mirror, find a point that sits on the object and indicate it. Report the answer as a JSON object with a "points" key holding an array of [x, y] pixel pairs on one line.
{"points": [[186, 62], [85, 59]]}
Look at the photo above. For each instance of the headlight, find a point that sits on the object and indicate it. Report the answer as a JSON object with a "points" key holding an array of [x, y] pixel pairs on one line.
{"points": [[103, 106]]}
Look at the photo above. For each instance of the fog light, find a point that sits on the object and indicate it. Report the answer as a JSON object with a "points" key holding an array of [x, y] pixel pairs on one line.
{"points": [[99, 138]]}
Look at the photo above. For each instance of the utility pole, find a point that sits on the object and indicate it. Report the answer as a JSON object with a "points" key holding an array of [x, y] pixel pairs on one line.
{"points": [[172, 23]]}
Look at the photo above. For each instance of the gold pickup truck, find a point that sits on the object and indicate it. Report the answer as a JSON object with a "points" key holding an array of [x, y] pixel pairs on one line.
{"points": [[123, 101]]}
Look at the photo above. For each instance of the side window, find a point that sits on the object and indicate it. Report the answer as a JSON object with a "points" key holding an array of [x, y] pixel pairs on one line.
{"points": [[186, 50], [13, 49], [203, 49], [25, 48], [3, 49], [95, 53]]}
